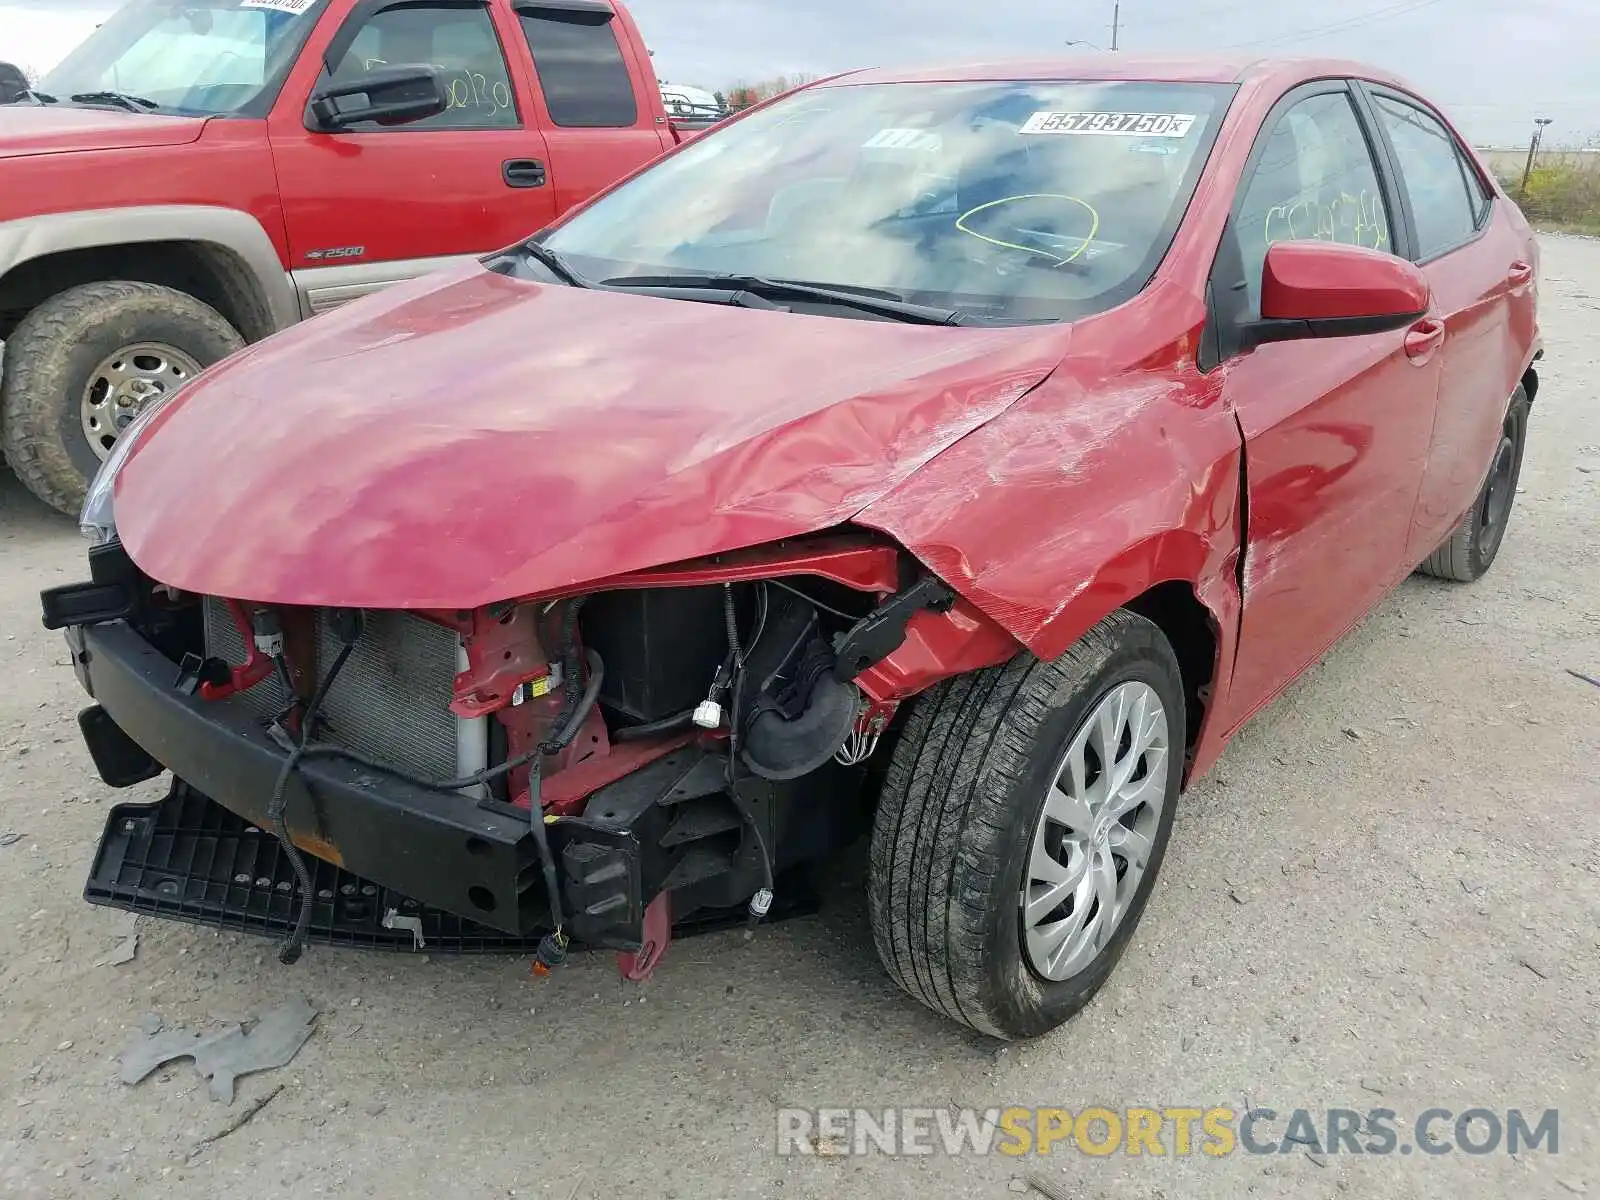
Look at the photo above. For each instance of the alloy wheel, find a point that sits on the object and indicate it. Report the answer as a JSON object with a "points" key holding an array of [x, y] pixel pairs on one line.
{"points": [[1096, 831]]}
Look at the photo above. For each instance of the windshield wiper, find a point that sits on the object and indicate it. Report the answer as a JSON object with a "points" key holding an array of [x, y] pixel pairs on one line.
{"points": [[554, 263], [36, 97], [120, 99], [884, 304]]}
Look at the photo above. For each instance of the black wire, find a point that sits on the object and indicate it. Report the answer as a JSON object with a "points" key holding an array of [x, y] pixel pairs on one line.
{"points": [[566, 728], [572, 682], [672, 724], [277, 809], [813, 600], [577, 700], [547, 860], [284, 678]]}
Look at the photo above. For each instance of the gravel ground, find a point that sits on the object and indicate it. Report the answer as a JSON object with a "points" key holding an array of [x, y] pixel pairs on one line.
{"points": [[1386, 895]]}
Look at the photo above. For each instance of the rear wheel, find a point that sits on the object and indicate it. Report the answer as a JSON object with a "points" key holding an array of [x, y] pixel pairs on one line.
{"points": [[79, 368], [1024, 818], [1471, 549]]}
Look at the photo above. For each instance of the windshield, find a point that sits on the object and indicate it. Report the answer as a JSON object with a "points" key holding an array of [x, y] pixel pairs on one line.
{"points": [[190, 59], [1007, 201]]}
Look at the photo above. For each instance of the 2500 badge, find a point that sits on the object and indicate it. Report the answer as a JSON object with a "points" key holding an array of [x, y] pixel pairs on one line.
{"points": [[335, 252]]}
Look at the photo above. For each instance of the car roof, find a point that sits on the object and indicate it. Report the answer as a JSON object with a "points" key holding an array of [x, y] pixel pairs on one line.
{"points": [[1240, 68]]}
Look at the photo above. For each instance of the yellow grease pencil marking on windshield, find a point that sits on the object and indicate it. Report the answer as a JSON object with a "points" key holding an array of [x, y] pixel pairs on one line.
{"points": [[1094, 225]]}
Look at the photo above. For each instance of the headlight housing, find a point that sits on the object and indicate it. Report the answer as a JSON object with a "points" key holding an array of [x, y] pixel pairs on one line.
{"points": [[97, 521]]}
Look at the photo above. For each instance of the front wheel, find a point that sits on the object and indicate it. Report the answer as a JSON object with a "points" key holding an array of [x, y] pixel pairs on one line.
{"points": [[80, 366], [1023, 821]]}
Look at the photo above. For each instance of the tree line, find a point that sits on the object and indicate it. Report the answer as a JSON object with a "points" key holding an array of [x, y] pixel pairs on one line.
{"points": [[737, 97]]}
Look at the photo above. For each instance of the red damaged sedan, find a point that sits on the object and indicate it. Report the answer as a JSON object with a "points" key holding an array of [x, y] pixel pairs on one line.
{"points": [[963, 455]]}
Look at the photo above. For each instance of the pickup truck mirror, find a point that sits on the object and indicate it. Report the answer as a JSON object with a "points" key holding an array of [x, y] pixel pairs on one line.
{"points": [[13, 83], [391, 96]]}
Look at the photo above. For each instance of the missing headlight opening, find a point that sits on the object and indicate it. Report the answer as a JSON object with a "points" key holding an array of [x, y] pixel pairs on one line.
{"points": [[600, 766]]}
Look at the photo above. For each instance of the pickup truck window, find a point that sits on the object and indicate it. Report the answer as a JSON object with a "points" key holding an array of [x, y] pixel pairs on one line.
{"points": [[581, 70], [458, 38], [209, 58]]}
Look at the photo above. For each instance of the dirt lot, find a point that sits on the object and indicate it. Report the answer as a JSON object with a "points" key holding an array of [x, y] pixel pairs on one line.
{"points": [[1387, 895]]}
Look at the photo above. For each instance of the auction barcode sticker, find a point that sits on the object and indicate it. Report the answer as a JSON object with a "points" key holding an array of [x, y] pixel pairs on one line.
{"points": [[1111, 124], [294, 7]]}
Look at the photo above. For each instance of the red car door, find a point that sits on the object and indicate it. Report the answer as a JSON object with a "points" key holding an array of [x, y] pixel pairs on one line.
{"points": [[1478, 267], [1336, 431], [599, 125], [373, 205]]}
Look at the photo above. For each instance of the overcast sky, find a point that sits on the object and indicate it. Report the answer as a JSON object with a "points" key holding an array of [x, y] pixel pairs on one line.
{"points": [[1494, 65]]}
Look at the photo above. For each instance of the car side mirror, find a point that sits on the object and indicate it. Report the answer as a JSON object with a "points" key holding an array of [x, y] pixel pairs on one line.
{"points": [[1329, 289], [391, 96]]}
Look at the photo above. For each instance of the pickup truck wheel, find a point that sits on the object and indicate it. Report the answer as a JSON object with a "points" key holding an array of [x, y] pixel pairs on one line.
{"points": [[1470, 550], [80, 366], [1023, 820]]}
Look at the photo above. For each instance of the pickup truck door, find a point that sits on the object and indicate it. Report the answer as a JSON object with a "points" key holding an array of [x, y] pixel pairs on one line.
{"points": [[598, 99], [371, 206]]}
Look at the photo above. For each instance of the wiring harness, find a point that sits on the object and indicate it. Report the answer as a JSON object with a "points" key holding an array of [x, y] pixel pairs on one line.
{"points": [[578, 700]]}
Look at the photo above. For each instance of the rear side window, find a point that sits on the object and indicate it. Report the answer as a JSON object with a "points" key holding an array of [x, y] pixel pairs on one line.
{"points": [[1476, 193], [1447, 198], [585, 80]]}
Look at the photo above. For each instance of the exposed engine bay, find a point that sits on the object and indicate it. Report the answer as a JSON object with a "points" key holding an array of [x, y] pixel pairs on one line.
{"points": [[594, 766]]}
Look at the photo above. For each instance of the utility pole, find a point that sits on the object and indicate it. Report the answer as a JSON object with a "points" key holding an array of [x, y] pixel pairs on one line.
{"points": [[1116, 21], [1533, 148]]}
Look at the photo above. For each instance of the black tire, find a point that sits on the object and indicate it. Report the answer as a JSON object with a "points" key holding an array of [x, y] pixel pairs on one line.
{"points": [[53, 352], [1471, 548], [961, 799]]}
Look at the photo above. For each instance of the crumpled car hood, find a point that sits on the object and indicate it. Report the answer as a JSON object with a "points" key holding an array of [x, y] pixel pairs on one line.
{"points": [[470, 438], [48, 129]]}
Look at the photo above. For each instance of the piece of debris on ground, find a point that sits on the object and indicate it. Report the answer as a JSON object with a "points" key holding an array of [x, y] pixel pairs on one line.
{"points": [[126, 930], [246, 1115], [223, 1056]]}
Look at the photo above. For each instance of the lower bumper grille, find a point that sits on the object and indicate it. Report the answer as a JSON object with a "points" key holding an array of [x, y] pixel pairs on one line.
{"points": [[189, 859], [186, 858], [391, 700]]}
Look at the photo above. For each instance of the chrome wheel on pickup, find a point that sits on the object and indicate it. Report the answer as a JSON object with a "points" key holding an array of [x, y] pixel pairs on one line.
{"points": [[80, 366], [124, 382]]}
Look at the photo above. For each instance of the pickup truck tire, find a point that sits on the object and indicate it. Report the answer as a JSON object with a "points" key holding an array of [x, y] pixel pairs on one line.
{"points": [[1004, 826], [52, 358]]}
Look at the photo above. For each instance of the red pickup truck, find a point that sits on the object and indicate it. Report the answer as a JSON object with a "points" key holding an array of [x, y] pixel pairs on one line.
{"points": [[197, 176]]}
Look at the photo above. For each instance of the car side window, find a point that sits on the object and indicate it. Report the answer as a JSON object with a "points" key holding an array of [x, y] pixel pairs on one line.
{"points": [[458, 39], [581, 70], [1315, 180], [1477, 194], [1446, 208]]}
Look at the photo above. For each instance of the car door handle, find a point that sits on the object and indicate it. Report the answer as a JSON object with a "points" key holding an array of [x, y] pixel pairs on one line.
{"points": [[1520, 275], [1422, 339], [523, 172]]}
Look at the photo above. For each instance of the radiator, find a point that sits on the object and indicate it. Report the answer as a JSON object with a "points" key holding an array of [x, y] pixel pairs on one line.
{"points": [[391, 700]]}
